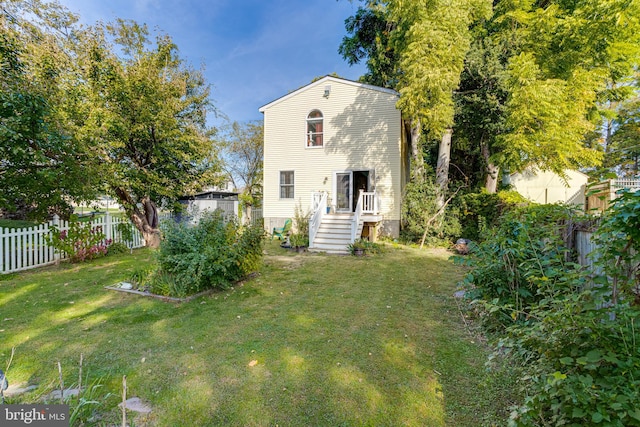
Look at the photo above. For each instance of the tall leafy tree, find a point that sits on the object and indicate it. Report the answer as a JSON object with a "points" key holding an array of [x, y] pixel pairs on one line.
{"points": [[243, 151], [420, 51], [479, 109], [370, 32], [566, 57], [535, 76], [143, 111], [43, 167]]}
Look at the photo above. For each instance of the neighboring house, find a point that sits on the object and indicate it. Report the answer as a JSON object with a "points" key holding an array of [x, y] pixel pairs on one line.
{"points": [[548, 187], [196, 205], [335, 146], [601, 194]]}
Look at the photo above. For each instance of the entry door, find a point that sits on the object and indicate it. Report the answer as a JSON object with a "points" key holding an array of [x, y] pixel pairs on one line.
{"points": [[343, 191]]}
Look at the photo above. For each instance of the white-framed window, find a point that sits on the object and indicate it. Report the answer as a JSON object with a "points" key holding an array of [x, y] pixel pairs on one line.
{"points": [[286, 184], [314, 129]]}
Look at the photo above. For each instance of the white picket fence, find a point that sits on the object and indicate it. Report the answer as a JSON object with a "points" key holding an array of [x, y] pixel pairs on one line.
{"points": [[25, 248]]}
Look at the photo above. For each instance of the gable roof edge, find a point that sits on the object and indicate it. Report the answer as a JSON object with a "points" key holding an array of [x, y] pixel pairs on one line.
{"points": [[326, 79]]}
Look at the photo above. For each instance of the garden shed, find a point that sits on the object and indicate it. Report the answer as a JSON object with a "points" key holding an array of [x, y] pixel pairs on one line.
{"points": [[196, 205]]}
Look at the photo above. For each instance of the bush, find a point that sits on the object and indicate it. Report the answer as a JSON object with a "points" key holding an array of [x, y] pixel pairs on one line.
{"points": [[365, 245], [418, 207], [117, 248], [584, 366], [482, 210], [81, 242], [518, 258], [573, 330], [211, 254]]}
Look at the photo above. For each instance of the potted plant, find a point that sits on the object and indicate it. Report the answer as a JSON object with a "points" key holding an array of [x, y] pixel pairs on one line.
{"points": [[299, 241], [358, 247]]}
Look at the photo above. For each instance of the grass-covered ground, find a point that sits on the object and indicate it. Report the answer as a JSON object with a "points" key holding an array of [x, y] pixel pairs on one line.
{"points": [[313, 340]]}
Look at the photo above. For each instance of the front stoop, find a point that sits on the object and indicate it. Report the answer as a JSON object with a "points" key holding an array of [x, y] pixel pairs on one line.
{"points": [[334, 234]]}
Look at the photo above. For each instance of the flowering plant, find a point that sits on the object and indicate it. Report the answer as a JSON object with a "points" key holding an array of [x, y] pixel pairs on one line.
{"points": [[82, 241]]}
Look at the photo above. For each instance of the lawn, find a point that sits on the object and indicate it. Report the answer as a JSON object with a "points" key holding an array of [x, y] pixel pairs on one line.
{"points": [[312, 340]]}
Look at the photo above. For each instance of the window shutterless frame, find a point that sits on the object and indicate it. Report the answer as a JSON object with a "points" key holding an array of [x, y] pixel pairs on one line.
{"points": [[287, 184], [315, 126]]}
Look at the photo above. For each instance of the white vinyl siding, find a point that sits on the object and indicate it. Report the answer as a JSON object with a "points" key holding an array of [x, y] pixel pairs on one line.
{"points": [[361, 131]]}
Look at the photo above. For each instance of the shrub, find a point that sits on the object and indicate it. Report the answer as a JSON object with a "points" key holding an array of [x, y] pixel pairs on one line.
{"points": [[301, 222], [418, 207], [117, 248], [82, 241], [366, 245], [299, 240], [573, 332], [481, 210], [584, 367], [211, 254], [518, 258]]}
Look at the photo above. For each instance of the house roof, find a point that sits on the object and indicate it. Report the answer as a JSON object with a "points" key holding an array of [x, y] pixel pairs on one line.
{"points": [[323, 81], [207, 195]]}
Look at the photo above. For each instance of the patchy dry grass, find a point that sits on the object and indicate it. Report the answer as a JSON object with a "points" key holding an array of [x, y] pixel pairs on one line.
{"points": [[312, 340]]}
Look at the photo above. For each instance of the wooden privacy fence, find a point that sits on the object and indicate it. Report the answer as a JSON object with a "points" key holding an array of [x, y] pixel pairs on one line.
{"points": [[25, 248], [584, 245]]}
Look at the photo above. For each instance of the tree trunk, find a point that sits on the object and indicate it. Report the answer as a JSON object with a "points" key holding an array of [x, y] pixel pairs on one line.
{"points": [[491, 181], [145, 220], [147, 223], [247, 214], [414, 132], [442, 169]]}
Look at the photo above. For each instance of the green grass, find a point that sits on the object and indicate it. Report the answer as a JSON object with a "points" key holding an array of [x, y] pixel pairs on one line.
{"points": [[334, 341]]}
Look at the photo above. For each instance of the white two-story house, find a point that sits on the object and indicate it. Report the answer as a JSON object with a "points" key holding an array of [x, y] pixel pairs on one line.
{"points": [[335, 148]]}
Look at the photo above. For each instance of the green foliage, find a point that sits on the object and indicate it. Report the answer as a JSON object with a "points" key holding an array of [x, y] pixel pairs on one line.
{"points": [[298, 240], [584, 367], [419, 214], [357, 245], [42, 166], [125, 230], [144, 277], [91, 401], [548, 118], [519, 258], [622, 153], [117, 248], [81, 242], [618, 241], [371, 40], [142, 111], [445, 25], [301, 220], [576, 338], [211, 254], [481, 210], [243, 151], [364, 245]]}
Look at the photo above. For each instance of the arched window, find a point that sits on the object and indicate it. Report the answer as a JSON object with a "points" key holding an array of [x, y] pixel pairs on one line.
{"points": [[314, 129]]}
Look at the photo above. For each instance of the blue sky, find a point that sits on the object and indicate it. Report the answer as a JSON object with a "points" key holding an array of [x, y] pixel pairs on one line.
{"points": [[253, 51]]}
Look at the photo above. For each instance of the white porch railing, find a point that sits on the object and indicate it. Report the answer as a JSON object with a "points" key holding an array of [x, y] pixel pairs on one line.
{"points": [[630, 184], [370, 202], [355, 222], [318, 209]]}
